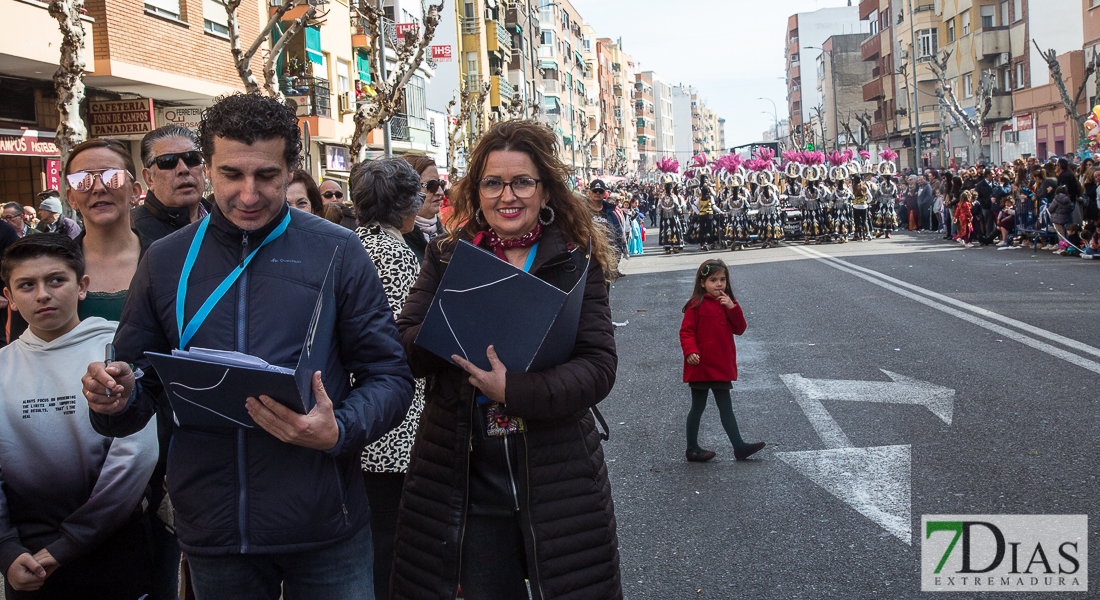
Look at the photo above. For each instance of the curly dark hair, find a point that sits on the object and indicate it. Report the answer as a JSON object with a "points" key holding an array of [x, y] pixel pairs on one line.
{"points": [[384, 190], [250, 118]]}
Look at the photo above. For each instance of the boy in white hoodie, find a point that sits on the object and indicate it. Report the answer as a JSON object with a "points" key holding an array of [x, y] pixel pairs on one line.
{"points": [[71, 500]]}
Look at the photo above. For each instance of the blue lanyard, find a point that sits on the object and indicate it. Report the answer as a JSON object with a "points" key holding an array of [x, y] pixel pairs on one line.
{"points": [[530, 258], [204, 311]]}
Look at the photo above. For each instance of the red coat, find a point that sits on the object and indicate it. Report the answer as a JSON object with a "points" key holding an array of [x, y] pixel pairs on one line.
{"points": [[708, 331]]}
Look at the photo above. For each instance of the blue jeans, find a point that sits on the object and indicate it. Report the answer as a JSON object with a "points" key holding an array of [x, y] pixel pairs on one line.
{"points": [[343, 571]]}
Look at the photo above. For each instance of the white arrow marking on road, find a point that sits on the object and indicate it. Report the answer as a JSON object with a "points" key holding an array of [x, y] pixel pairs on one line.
{"points": [[874, 481], [902, 390]]}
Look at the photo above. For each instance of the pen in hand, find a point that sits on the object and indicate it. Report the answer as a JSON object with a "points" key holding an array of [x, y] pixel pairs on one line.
{"points": [[108, 358]]}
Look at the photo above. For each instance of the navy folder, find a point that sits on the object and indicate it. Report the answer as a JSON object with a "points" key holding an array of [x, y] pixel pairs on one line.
{"points": [[207, 388], [483, 301]]}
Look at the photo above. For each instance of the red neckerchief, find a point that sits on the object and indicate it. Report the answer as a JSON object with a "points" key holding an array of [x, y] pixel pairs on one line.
{"points": [[498, 245]]}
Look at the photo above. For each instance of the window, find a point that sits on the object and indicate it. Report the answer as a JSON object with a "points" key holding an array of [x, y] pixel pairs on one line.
{"points": [[1004, 13], [214, 18], [968, 85], [469, 10], [1020, 75], [872, 19], [471, 65], [343, 76], [950, 30], [927, 44], [167, 8], [965, 22], [1017, 10], [416, 103], [989, 16], [546, 37]]}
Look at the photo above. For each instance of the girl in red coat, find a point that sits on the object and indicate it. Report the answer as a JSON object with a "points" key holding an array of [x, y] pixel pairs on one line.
{"points": [[711, 318]]}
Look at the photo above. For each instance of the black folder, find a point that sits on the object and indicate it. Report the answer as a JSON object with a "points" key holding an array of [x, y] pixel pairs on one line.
{"points": [[207, 388], [483, 301]]}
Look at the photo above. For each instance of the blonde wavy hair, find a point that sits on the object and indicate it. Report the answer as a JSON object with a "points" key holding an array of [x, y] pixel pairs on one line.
{"points": [[571, 213]]}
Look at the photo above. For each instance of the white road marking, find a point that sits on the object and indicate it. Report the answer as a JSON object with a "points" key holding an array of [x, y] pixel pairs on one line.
{"points": [[1043, 333], [879, 280], [873, 481], [819, 417], [902, 390]]}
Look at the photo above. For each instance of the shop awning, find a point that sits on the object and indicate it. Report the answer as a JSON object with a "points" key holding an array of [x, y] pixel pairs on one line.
{"points": [[546, 64], [313, 45], [363, 62]]}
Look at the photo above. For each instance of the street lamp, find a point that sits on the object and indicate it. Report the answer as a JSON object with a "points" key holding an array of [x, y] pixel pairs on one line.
{"points": [[775, 113], [832, 84]]}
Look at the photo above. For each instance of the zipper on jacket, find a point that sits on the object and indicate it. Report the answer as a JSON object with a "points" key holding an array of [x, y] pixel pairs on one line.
{"points": [[242, 463], [340, 489], [511, 478], [530, 525], [466, 495]]}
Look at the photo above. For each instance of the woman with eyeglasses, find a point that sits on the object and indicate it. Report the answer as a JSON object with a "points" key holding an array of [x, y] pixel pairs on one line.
{"points": [[428, 223], [100, 176], [507, 480]]}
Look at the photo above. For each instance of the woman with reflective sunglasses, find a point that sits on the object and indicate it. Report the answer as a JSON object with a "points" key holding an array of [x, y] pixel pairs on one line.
{"points": [[101, 186], [428, 222]]}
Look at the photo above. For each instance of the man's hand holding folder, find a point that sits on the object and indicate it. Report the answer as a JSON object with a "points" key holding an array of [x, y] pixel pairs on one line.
{"points": [[117, 378], [317, 430]]}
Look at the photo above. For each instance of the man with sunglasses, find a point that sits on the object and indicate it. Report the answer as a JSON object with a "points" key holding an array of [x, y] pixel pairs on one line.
{"points": [[50, 219], [332, 193], [175, 177], [278, 507]]}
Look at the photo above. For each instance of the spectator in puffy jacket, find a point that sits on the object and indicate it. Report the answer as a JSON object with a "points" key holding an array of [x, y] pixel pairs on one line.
{"points": [[278, 506], [1061, 211]]}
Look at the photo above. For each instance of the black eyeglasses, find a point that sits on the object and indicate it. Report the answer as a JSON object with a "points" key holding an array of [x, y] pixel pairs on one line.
{"points": [[434, 185], [167, 162], [338, 195], [522, 187]]}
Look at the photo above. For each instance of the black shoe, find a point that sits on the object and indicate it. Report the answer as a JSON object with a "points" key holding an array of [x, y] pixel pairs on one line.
{"points": [[700, 455], [748, 450]]}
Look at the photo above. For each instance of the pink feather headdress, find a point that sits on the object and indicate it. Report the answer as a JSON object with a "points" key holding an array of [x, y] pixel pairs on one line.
{"points": [[888, 154], [864, 154], [668, 165], [728, 163], [836, 158]]}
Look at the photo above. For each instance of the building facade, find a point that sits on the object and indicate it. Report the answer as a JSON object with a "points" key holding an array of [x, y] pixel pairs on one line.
{"points": [[841, 73]]}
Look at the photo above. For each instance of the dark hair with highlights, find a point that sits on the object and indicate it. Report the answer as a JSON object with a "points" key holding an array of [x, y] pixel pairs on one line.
{"points": [[250, 118], [709, 267], [385, 191], [313, 193], [51, 245], [571, 214]]}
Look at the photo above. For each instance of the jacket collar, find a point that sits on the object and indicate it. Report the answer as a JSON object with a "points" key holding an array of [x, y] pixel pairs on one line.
{"points": [[176, 216], [226, 232]]}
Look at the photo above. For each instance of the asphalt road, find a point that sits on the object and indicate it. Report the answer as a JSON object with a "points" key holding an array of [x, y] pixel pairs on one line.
{"points": [[1012, 332]]}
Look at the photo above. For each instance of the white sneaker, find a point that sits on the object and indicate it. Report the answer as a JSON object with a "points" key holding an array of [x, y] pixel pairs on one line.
{"points": [[1088, 256], [999, 244]]}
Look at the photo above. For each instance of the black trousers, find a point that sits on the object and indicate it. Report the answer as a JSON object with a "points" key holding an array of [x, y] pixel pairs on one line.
{"points": [[384, 495]]}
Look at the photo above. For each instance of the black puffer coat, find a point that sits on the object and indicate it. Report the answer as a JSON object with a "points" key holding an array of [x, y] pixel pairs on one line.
{"points": [[563, 490]]}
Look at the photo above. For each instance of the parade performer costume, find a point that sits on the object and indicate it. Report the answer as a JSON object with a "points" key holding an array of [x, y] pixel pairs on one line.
{"points": [[861, 227], [739, 231], [886, 215], [842, 211], [768, 222], [671, 235], [813, 219], [708, 235]]}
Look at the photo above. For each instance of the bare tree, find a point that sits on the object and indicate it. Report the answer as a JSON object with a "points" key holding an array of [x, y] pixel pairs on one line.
{"points": [[389, 88], [983, 101], [587, 149], [68, 80], [462, 131], [1056, 76], [242, 59], [863, 119]]}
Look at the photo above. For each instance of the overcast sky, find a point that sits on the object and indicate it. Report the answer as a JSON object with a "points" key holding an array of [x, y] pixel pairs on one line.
{"points": [[730, 50]]}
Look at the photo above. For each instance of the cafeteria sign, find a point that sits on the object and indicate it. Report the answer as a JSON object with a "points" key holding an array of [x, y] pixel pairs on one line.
{"points": [[121, 117]]}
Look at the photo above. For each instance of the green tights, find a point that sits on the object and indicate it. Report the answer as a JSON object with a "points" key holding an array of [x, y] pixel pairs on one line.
{"points": [[725, 412]]}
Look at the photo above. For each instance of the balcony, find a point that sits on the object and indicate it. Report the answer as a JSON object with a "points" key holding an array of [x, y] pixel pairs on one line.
{"points": [[878, 130], [501, 92], [872, 90], [871, 48], [359, 36], [497, 38], [399, 128], [991, 42], [470, 26], [297, 11], [311, 95], [866, 7], [1001, 107]]}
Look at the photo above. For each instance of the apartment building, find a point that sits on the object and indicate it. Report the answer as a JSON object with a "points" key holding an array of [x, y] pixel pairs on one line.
{"points": [[592, 140], [522, 21], [841, 73], [683, 133], [1040, 125], [485, 53], [563, 70], [804, 36], [721, 135], [606, 140], [662, 104], [645, 121], [916, 46], [623, 75]]}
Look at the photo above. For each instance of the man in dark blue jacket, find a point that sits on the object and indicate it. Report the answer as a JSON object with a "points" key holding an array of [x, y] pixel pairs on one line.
{"points": [[280, 507]]}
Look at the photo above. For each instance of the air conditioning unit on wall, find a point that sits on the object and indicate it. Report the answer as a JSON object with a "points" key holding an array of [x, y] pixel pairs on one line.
{"points": [[344, 103], [1003, 59]]}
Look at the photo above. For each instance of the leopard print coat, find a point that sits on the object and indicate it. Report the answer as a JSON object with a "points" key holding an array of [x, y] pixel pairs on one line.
{"points": [[398, 269]]}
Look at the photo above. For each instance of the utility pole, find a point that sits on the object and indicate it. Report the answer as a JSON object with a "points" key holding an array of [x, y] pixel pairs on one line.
{"points": [[387, 143], [916, 101]]}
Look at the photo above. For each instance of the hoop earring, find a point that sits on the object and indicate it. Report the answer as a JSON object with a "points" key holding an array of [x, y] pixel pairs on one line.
{"points": [[477, 217], [547, 222]]}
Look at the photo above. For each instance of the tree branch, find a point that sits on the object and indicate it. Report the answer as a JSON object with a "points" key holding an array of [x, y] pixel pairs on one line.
{"points": [[1051, 57], [68, 80]]}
